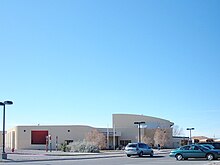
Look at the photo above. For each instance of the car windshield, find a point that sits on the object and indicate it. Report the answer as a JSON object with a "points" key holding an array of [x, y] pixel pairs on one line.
{"points": [[203, 148], [208, 146], [132, 145]]}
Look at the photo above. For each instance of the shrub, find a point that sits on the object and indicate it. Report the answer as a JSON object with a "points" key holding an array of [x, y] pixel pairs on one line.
{"points": [[83, 146], [64, 147]]}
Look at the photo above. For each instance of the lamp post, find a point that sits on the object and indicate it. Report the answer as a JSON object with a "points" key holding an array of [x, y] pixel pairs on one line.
{"points": [[4, 155], [139, 129], [190, 137]]}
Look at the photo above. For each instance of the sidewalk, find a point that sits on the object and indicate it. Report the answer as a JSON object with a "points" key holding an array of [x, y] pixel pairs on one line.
{"points": [[40, 155], [162, 151]]}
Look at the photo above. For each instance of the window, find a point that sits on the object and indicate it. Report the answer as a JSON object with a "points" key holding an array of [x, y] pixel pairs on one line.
{"points": [[146, 146], [191, 148], [185, 148], [216, 145], [196, 148], [205, 148], [132, 145], [38, 137], [68, 141], [142, 145], [124, 142]]}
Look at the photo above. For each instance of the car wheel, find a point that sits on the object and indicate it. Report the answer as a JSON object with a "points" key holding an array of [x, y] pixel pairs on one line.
{"points": [[179, 157], [141, 154], [151, 154], [209, 156], [128, 155]]}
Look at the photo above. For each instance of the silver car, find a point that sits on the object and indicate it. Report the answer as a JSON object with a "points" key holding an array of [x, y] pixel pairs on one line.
{"points": [[139, 149]]}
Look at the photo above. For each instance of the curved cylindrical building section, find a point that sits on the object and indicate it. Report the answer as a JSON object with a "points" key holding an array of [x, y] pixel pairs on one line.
{"points": [[151, 130], [127, 121]]}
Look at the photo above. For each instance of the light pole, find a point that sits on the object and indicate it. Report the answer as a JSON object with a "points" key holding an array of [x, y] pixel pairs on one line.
{"points": [[190, 137], [139, 129], [4, 155]]}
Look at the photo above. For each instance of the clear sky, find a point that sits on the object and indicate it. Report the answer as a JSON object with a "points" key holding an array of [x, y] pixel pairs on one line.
{"points": [[80, 61]]}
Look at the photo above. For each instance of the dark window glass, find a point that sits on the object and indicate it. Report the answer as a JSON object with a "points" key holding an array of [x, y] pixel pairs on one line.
{"points": [[185, 148], [146, 146], [124, 142], [68, 141], [142, 145], [216, 145], [132, 145], [196, 148]]}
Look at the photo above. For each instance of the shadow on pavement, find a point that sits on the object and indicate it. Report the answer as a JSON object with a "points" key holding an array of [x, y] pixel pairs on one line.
{"points": [[147, 157], [194, 160]]}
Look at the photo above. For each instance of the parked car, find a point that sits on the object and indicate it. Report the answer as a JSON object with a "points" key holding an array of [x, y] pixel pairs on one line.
{"points": [[194, 151], [139, 149], [215, 144]]}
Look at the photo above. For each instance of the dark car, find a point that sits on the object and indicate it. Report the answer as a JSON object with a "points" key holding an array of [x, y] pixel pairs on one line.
{"points": [[216, 145], [139, 149], [194, 151]]}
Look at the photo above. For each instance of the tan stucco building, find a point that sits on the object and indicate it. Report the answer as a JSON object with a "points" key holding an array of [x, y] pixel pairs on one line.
{"points": [[124, 123], [122, 132], [33, 137]]}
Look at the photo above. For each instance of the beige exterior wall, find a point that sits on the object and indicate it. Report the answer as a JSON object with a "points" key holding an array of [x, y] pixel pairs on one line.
{"points": [[127, 121], [10, 139], [129, 131], [20, 136], [1, 140], [124, 130]]}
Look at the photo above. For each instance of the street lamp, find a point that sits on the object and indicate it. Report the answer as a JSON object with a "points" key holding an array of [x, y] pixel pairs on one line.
{"points": [[139, 129], [4, 155], [190, 137]]}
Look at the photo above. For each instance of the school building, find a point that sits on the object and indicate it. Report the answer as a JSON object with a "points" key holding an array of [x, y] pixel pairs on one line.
{"points": [[123, 131]]}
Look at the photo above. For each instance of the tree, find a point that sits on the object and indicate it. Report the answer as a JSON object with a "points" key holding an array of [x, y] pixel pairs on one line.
{"points": [[162, 137], [97, 138], [147, 140], [177, 131]]}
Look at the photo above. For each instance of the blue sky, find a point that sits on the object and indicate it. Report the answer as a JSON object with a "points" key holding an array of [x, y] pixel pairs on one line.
{"points": [[80, 61]]}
